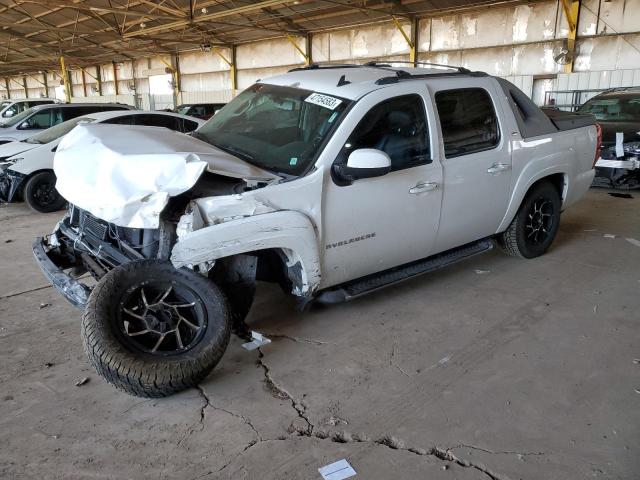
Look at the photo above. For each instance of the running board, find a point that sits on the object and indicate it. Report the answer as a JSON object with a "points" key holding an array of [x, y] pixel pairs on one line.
{"points": [[371, 283]]}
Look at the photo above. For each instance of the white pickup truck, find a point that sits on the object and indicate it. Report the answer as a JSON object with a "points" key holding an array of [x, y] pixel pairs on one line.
{"points": [[331, 181]]}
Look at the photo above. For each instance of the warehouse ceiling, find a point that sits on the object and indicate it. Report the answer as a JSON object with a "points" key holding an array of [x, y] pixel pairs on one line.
{"points": [[34, 33]]}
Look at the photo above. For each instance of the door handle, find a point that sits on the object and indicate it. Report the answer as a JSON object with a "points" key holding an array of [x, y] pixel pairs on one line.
{"points": [[498, 167], [423, 187]]}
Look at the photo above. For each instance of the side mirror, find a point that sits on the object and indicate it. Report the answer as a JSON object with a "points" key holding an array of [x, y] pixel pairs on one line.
{"points": [[8, 114], [23, 125], [365, 163]]}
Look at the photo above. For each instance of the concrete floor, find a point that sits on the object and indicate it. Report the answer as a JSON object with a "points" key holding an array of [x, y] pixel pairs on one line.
{"points": [[494, 368]]}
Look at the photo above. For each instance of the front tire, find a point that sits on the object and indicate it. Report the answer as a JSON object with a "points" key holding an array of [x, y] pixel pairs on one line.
{"points": [[152, 330], [535, 225], [41, 195]]}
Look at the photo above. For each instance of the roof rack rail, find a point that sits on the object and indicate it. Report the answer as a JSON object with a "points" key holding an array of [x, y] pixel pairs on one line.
{"points": [[326, 66], [379, 64]]}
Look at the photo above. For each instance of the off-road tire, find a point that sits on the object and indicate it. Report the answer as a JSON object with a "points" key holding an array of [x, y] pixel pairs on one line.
{"points": [[514, 240], [34, 201], [144, 374]]}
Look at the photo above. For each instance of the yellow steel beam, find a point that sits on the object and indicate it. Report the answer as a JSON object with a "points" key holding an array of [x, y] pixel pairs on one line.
{"points": [[571, 12], [115, 79], [412, 45], [233, 73], [34, 78], [84, 71], [65, 80], [305, 55]]}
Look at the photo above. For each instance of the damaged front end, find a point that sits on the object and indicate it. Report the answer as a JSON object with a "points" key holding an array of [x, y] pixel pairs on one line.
{"points": [[11, 183], [82, 243], [619, 166]]}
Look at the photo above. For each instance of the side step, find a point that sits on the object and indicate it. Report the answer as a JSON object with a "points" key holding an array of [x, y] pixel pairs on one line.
{"points": [[376, 281]]}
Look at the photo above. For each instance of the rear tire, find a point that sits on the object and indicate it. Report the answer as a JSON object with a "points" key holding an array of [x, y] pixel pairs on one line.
{"points": [[40, 193], [130, 323], [535, 225]]}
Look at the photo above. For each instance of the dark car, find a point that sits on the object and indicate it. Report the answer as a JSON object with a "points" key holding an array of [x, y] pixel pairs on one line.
{"points": [[618, 113], [199, 110]]}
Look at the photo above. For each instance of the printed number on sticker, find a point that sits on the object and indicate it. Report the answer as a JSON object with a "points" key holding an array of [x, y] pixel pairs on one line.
{"points": [[323, 100]]}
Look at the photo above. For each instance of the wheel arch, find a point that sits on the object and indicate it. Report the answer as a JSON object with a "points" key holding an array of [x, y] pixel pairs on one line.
{"points": [[283, 241], [557, 177]]}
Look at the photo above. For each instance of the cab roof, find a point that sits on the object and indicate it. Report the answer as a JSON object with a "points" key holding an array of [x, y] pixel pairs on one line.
{"points": [[354, 81]]}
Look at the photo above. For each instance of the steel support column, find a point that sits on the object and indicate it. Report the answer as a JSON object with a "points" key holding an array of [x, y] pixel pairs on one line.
{"points": [[84, 83], [410, 40], [65, 80], [305, 54], [45, 83], [99, 79], [571, 12], [233, 74], [115, 79], [24, 86]]}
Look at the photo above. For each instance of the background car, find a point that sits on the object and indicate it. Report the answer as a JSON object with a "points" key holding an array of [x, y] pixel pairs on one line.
{"points": [[41, 117], [10, 108], [199, 110], [29, 175], [618, 113]]}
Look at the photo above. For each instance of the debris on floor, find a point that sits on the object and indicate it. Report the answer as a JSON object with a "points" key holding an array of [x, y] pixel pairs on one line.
{"points": [[482, 272], [81, 381], [609, 235], [620, 195], [8, 241], [633, 241], [44, 305], [49, 364], [337, 470], [258, 341]]}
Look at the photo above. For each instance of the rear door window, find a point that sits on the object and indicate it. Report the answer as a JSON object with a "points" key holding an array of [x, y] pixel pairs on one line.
{"points": [[468, 121]]}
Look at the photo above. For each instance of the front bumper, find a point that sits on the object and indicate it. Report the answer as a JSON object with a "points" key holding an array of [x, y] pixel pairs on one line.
{"points": [[627, 164], [74, 291]]}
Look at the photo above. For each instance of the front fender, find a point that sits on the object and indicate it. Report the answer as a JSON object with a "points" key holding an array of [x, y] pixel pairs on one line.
{"points": [[291, 232]]}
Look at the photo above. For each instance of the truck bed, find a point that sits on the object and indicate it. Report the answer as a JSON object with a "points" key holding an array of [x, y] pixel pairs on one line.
{"points": [[569, 120]]}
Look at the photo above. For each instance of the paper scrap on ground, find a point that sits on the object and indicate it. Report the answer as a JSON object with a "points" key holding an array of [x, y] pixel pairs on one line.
{"points": [[482, 272], [633, 241], [258, 341], [609, 235], [337, 470]]}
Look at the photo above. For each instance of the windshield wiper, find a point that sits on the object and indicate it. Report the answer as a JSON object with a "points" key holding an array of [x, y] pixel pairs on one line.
{"points": [[236, 151]]}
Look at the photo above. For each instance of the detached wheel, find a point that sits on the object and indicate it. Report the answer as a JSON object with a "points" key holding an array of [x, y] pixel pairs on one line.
{"points": [[41, 195], [152, 330], [535, 225]]}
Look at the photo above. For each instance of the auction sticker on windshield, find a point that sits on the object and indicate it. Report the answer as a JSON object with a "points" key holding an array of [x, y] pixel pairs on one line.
{"points": [[323, 100]]}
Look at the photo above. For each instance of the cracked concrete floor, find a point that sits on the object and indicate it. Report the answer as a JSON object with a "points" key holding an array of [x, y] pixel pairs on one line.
{"points": [[526, 370]]}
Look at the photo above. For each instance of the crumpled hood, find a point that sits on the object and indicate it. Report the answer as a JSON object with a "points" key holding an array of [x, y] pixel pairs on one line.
{"points": [[126, 174]]}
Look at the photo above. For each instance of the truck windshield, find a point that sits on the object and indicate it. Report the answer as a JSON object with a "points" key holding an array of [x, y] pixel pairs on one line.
{"points": [[53, 133], [273, 127], [625, 108]]}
